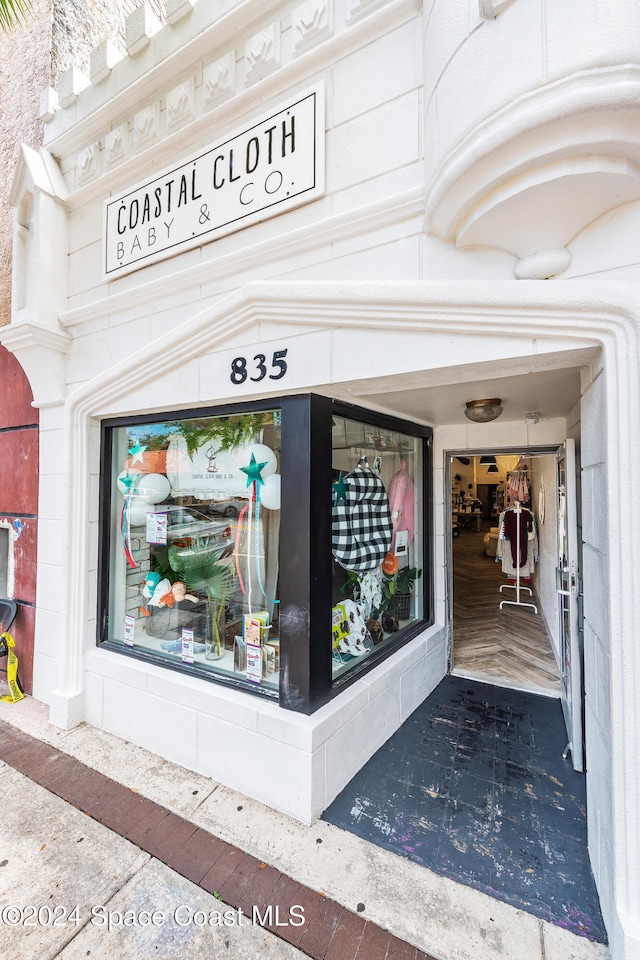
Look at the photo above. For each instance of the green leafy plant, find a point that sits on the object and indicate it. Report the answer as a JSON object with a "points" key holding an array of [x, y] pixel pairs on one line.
{"points": [[15, 13], [406, 578], [399, 585], [225, 432], [200, 568]]}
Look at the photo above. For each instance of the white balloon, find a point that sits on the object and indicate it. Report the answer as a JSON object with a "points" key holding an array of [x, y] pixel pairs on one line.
{"points": [[153, 487], [270, 492], [138, 511], [263, 454]]}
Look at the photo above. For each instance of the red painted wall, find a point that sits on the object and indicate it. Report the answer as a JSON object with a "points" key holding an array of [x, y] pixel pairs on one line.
{"points": [[19, 500]]}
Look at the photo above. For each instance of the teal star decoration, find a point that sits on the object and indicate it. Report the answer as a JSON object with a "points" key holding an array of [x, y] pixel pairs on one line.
{"points": [[340, 489], [128, 482], [254, 470], [136, 452]]}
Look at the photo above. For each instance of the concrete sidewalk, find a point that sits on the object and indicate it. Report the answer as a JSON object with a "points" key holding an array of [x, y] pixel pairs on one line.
{"points": [[52, 854]]}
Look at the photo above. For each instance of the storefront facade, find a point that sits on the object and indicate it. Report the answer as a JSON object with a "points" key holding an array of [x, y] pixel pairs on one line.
{"points": [[277, 262]]}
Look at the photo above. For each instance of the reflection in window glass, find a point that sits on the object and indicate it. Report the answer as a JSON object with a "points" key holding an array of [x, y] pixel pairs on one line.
{"points": [[376, 539], [194, 542]]}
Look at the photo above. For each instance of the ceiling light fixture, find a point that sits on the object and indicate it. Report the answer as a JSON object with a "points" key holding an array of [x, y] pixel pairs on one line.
{"points": [[488, 461], [483, 411], [531, 418]]}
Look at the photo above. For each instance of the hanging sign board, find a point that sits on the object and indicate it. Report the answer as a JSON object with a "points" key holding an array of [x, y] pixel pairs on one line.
{"points": [[267, 168]]}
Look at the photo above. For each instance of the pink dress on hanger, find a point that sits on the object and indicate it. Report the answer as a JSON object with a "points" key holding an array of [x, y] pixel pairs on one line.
{"points": [[401, 501]]}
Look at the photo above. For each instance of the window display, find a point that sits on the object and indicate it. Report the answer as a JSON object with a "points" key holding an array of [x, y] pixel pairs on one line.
{"points": [[194, 545], [377, 556], [199, 575]]}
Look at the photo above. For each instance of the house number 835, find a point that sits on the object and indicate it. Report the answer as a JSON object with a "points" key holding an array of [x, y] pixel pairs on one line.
{"points": [[239, 372]]}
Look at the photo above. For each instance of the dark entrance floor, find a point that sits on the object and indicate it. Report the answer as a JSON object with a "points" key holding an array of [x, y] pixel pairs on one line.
{"points": [[474, 787]]}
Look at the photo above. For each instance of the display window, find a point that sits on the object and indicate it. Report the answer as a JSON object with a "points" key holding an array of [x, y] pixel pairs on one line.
{"points": [[193, 565], [377, 542], [280, 547]]}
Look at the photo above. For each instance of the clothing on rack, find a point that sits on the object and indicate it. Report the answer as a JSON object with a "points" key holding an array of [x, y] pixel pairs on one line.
{"points": [[518, 486], [507, 549]]}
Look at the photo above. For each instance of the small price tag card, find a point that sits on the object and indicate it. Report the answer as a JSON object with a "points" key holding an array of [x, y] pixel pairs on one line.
{"points": [[129, 628], [402, 544], [254, 663], [187, 645], [157, 528]]}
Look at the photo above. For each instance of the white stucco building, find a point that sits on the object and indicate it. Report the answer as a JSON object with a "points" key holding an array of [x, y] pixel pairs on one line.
{"points": [[452, 213]]}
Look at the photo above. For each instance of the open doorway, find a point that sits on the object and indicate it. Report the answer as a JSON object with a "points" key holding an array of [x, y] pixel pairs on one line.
{"points": [[505, 603]]}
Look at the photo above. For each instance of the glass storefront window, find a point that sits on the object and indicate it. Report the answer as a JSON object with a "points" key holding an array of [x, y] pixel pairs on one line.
{"points": [[198, 574], [194, 544], [378, 553]]}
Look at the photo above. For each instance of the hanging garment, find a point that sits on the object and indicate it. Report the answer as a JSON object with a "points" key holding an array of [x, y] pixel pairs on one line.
{"points": [[507, 550], [361, 526], [512, 520], [401, 501]]}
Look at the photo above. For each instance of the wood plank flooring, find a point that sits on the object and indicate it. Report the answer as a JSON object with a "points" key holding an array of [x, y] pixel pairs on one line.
{"points": [[508, 646]]}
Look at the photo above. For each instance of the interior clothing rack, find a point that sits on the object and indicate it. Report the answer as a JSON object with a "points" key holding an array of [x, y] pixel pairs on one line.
{"points": [[517, 508]]}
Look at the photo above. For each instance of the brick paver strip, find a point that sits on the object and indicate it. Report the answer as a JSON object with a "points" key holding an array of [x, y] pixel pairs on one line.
{"points": [[347, 936], [318, 933], [197, 855], [401, 950], [167, 837], [221, 870], [330, 931], [127, 813], [258, 893], [309, 900], [374, 943], [239, 880]]}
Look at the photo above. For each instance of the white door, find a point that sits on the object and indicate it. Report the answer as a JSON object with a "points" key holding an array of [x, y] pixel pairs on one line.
{"points": [[568, 584]]}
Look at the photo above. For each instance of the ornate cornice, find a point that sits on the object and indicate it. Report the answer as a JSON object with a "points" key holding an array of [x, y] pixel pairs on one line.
{"points": [[201, 72]]}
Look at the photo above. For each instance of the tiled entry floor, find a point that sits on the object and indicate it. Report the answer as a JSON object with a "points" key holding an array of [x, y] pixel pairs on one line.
{"points": [[474, 787]]}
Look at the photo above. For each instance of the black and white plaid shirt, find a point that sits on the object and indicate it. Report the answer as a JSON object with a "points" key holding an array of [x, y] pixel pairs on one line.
{"points": [[361, 528]]}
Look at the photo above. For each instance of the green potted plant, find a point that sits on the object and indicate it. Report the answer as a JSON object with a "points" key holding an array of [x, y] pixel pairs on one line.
{"points": [[399, 589], [201, 569]]}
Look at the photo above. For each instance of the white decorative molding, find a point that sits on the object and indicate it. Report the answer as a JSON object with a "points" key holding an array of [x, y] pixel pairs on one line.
{"points": [[146, 126], [543, 265], [42, 353], [177, 9], [539, 170], [357, 9], [262, 53], [180, 105], [71, 84], [40, 245], [359, 222], [312, 22], [102, 60], [547, 207], [87, 166], [219, 79], [114, 98], [489, 9], [116, 146], [48, 104], [140, 26]]}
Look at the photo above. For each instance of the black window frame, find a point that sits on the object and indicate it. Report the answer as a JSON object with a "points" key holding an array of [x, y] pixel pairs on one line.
{"points": [[305, 563]]}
